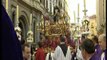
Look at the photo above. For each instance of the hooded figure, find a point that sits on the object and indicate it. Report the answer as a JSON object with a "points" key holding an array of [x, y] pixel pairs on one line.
{"points": [[10, 45]]}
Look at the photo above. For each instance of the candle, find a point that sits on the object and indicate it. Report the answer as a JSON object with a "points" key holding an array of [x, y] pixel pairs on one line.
{"points": [[78, 10], [74, 17], [85, 9], [7, 6], [30, 19], [84, 4], [17, 14]]}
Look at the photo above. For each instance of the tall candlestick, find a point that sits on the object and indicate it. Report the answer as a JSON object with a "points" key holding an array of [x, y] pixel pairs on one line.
{"points": [[74, 17], [7, 6], [84, 4], [85, 8], [30, 21], [30, 18], [17, 14], [78, 12]]}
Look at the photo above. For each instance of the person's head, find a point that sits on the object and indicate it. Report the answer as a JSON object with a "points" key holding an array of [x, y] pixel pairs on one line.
{"points": [[62, 38], [49, 49], [22, 41], [95, 39], [68, 33], [26, 51], [40, 44], [83, 37], [100, 31], [102, 41], [87, 48]]}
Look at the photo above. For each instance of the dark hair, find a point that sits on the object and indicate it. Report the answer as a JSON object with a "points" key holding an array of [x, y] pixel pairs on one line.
{"points": [[95, 38], [40, 44], [62, 38], [25, 45], [22, 41], [83, 37], [88, 45]]}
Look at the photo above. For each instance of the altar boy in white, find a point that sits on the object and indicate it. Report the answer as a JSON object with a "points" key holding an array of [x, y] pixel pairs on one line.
{"points": [[50, 53], [62, 51]]}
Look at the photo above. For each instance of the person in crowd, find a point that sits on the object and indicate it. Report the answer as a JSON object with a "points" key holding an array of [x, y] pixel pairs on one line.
{"points": [[98, 50], [78, 54], [102, 43], [79, 41], [83, 38], [10, 45], [57, 41], [26, 51], [50, 53], [73, 54], [62, 51], [70, 40], [87, 49], [22, 41], [99, 32], [40, 53], [53, 45]]}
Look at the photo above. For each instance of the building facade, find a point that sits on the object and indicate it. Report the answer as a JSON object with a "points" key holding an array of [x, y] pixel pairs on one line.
{"points": [[101, 15], [27, 14]]}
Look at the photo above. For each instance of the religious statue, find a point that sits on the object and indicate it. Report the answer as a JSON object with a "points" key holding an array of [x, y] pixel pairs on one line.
{"points": [[30, 36], [56, 14], [18, 32]]}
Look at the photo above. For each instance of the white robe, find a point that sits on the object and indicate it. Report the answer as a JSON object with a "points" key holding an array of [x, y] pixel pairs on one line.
{"points": [[58, 54], [102, 56], [47, 56], [79, 54]]}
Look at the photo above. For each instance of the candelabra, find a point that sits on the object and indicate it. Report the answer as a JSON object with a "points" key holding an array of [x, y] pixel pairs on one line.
{"points": [[85, 23]]}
